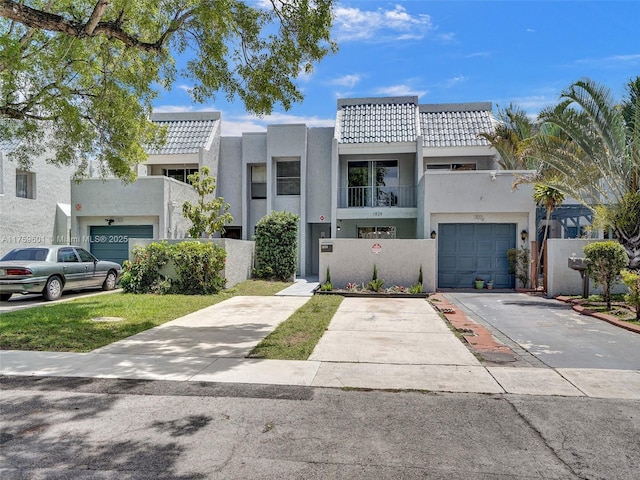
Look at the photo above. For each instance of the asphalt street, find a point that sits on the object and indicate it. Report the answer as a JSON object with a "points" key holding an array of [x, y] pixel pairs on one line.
{"points": [[56, 428], [551, 331]]}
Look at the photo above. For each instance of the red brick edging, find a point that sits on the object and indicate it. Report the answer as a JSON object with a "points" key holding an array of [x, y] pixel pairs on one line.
{"points": [[479, 338], [575, 304]]}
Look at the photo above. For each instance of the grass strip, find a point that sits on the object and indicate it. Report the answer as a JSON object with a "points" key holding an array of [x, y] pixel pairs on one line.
{"points": [[296, 337], [70, 326]]}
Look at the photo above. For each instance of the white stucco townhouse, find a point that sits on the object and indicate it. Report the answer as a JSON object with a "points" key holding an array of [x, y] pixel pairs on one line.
{"points": [[391, 168], [34, 201]]}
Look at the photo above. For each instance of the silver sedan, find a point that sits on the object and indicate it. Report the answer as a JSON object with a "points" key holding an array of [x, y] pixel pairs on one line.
{"points": [[50, 270]]}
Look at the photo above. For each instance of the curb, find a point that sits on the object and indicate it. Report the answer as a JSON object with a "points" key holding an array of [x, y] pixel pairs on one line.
{"points": [[575, 305]]}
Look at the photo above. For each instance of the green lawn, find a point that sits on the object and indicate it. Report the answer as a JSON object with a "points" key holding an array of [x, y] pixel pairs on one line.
{"points": [[68, 326], [296, 337]]}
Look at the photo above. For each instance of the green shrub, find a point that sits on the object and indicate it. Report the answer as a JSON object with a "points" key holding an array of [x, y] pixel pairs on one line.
{"points": [[415, 288], [375, 285], [604, 262], [276, 241], [197, 269], [143, 274], [420, 276], [632, 280], [518, 259], [198, 266], [327, 286]]}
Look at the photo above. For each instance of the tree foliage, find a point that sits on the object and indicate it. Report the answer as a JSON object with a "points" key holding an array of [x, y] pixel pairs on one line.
{"points": [[605, 260], [78, 77], [209, 215], [510, 137]]}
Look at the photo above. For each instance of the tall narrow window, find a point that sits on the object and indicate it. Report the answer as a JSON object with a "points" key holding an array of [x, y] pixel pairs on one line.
{"points": [[288, 177], [25, 184], [258, 181]]}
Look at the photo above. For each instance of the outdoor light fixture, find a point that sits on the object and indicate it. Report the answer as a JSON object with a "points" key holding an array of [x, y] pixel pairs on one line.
{"points": [[433, 234], [109, 221], [523, 235]]}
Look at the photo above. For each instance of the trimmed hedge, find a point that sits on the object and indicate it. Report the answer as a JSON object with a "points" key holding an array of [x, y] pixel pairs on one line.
{"points": [[189, 268], [276, 240]]}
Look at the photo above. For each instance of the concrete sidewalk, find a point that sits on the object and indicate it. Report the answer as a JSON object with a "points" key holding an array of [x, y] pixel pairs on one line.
{"points": [[371, 343]]}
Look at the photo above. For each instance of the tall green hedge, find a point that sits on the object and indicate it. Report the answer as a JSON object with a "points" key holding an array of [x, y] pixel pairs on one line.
{"points": [[190, 268], [276, 241]]}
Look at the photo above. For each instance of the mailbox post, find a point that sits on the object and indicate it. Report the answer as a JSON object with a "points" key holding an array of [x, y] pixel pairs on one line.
{"points": [[580, 265]]}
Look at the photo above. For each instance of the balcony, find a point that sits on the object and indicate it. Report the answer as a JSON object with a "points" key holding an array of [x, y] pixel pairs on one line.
{"points": [[376, 197]]}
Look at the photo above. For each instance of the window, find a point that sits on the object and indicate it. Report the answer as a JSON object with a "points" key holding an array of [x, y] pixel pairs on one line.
{"points": [[377, 232], [288, 176], [67, 255], [258, 181], [25, 184], [451, 166], [180, 174], [84, 255], [373, 183]]}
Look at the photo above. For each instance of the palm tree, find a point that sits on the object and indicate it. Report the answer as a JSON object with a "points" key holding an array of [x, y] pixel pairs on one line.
{"points": [[550, 198], [510, 135], [594, 155]]}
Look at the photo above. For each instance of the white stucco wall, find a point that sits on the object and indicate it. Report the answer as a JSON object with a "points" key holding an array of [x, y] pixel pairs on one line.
{"points": [[476, 197], [397, 262], [562, 280], [28, 221], [318, 201], [229, 180]]}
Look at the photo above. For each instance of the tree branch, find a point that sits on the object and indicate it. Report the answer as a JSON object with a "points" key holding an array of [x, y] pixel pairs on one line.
{"points": [[39, 19], [96, 15]]}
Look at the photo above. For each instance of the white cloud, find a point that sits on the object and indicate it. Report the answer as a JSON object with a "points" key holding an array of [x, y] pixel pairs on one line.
{"points": [[453, 81], [185, 88], [173, 108], [399, 91], [346, 80], [380, 25]]}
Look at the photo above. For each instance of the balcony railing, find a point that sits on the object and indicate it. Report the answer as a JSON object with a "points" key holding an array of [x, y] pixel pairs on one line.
{"points": [[373, 197]]}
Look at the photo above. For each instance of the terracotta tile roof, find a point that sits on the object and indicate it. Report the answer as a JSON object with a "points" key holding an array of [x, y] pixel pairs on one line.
{"points": [[186, 132], [455, 124], [377, 120]]}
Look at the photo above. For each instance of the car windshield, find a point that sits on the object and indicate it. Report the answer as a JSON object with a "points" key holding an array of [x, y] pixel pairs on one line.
{"points": [[31, 254]]}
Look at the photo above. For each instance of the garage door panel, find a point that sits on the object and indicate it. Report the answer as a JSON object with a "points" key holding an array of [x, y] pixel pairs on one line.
{"points": [[465, 263], [448, 262], [485, 264], [112, 242], [479, 250]]}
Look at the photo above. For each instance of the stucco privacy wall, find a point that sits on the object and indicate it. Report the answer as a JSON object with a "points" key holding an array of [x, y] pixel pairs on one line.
{"points": [[240, 256], [397, 261], [561, 279]]}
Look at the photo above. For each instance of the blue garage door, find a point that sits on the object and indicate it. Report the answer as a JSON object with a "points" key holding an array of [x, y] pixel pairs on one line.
{"points": [[112, 242], [470, 250]]}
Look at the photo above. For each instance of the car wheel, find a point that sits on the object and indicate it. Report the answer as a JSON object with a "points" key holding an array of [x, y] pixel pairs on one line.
{"points": [[4, 297], [53, 288], [110, 282]]}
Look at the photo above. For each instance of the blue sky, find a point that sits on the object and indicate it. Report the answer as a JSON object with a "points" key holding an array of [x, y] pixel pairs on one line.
{"points": [[524, 52]]}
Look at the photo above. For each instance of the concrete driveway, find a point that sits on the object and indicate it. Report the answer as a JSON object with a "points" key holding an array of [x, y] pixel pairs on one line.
{"points": [[551, 331]]}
